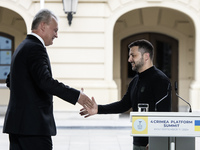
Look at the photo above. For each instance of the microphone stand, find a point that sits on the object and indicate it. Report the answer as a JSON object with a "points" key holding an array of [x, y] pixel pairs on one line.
{"points": [[160, 101], [176, 87]]}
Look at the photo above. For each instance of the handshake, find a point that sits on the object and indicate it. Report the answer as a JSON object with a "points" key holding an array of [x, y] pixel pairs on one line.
{"points": [[89, 105]]}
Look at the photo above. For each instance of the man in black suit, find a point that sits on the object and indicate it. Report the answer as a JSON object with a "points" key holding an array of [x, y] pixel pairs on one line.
{"points": [[149, 85], [29, 119]]}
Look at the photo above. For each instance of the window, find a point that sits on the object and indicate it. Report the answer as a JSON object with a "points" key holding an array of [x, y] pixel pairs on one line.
{"points": [[6, 51]]}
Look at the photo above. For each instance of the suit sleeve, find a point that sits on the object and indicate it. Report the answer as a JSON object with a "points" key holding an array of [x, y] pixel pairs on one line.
{"points": [[40, 70]]}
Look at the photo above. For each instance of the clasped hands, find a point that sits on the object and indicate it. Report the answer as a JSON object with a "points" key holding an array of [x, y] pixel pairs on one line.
{"points": [[89, 105]]}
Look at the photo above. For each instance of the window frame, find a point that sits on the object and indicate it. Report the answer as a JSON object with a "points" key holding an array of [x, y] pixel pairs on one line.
{"points": [[12, 50]]}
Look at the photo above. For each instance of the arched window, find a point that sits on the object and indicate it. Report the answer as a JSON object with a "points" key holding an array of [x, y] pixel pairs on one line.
{"points": [[6, 51]]}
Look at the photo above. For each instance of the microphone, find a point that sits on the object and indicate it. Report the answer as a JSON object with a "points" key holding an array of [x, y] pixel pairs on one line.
{"points": [[168, 88], [176, 88]]}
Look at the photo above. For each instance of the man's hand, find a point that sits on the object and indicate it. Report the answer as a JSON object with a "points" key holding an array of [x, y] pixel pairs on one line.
{"points": [[147, 147], [85, 101], [90, 111]]}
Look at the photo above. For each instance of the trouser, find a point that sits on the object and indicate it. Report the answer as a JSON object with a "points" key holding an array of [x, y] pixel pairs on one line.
{"points": [[135, 147], [27, 142]]}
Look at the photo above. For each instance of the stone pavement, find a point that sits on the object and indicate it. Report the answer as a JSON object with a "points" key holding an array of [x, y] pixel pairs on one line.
{"points": [[100, 132], [94, 133]]}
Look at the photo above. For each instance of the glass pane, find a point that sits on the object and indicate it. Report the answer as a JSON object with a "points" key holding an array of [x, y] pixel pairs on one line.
{"points": [[164, 57], [5, 57], [4, 71], [5, 43]]}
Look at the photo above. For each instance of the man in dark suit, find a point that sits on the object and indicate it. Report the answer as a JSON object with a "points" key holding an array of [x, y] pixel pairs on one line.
{"points": [[29, 119]]}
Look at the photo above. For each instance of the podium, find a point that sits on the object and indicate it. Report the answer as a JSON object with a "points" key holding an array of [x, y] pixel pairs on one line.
{"points": [[167, 130]]}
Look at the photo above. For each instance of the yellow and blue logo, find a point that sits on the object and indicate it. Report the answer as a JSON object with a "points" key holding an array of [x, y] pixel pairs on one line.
{"points": [[197, 125], [139, 125]]}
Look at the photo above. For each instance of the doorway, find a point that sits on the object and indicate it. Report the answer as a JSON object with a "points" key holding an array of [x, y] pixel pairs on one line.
{"points": [[165, 59]]}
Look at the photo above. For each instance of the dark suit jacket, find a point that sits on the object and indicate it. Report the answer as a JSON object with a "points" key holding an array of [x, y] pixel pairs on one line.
{"points": [[30, 109]]}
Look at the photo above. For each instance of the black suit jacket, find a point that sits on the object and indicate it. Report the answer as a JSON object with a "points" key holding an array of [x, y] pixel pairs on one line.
{"points": [[30, 109]]}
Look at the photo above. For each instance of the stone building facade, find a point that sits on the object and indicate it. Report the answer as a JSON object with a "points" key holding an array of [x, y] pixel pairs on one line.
{"points": [[92, 53]]}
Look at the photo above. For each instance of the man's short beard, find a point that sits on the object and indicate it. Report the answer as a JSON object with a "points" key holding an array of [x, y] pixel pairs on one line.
{"points": [[139, 65]]}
